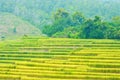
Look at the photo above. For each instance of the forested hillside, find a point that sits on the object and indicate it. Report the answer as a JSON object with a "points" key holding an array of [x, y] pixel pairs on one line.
{"points": [[38, 12]]}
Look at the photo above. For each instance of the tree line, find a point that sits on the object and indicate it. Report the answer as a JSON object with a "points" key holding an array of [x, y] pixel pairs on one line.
{"points": [[76, 25]]}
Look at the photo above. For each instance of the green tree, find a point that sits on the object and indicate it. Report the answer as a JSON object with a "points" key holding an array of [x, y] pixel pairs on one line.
{"points": [[60, 14], [78, 18], [61, 21], [94, 28], [116, 21], [70, 32]]}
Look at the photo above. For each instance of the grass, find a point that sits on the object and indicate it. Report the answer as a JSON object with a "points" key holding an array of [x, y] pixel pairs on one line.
{"points": [[59, 59]]}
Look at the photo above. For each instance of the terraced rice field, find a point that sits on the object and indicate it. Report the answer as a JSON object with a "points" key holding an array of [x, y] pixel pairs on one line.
{"points": [[60, 59]]}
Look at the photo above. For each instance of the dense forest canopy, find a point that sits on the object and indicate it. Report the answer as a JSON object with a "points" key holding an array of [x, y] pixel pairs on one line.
{"points": [[79, 18], [77, 25]]}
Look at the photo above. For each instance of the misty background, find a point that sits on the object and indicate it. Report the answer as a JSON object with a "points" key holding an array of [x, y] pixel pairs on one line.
{"points": [[20, 17]]}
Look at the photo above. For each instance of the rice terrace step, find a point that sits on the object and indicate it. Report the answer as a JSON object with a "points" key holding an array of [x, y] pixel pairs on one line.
{"points": [[73, 60]]}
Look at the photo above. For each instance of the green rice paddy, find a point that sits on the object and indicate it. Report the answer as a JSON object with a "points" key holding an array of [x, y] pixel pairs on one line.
{"points": [[60, 59]]}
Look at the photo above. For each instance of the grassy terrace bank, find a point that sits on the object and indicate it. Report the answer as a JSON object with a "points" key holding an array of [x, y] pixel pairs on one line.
{"points": [[59, 59]]}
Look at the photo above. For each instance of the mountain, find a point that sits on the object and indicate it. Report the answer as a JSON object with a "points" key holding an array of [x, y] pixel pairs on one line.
{"points": [[38, 12], [11, 25]]}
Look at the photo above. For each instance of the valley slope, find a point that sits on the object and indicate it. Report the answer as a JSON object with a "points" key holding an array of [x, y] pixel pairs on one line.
{"points": [[11, 25]]}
